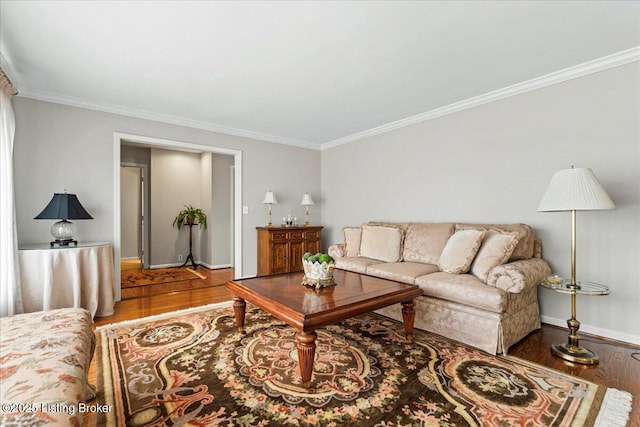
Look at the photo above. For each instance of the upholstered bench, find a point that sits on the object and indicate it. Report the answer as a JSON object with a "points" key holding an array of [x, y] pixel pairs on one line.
{"points": [[44, 363]]}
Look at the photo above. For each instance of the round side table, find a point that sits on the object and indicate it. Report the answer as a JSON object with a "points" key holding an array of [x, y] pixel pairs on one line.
{"points": [[572, 351]]}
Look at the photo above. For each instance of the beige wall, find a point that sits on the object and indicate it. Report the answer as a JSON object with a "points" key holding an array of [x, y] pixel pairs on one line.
{"points": [[130, 211], [221, 220], [58, 147], [493, 163], [175, 182]]}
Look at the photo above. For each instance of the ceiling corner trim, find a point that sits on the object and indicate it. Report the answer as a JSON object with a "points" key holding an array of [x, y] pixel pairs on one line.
{"points": [[157, 117], [601, 64]]}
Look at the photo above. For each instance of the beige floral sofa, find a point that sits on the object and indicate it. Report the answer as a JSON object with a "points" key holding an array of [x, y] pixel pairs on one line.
{"points": [[44, 363], [479, 281]]}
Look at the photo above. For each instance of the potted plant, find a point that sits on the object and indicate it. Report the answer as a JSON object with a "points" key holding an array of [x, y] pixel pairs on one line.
{"points": [[190, 216]]}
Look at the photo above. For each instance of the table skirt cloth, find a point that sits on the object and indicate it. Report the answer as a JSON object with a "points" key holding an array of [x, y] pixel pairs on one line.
{"points": [[72, 276]]}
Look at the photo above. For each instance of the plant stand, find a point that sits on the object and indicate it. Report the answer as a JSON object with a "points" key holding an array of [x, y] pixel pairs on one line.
{"points": [[190, 256]]}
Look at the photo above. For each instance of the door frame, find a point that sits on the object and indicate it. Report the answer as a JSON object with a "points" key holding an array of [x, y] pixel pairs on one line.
{"points": [[147, 141], [145, 242]]}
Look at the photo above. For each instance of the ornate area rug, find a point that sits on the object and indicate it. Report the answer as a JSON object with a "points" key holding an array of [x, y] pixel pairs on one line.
{"points": [[193, 368], [144, 277]]}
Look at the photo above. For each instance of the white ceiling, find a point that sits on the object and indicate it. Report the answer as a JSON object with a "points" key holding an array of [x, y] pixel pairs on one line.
{"points": [[310, 74]]}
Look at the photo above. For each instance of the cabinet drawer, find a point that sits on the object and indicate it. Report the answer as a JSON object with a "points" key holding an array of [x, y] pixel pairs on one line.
{"points": [[280, 235], [312, 235], [296, 235]]}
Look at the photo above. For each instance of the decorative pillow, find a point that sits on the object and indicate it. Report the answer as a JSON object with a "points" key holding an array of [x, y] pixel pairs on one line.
{"points": [[526, 236], [381, 243], [352, 237], [495, 250], [424, 242], [460, 250]]}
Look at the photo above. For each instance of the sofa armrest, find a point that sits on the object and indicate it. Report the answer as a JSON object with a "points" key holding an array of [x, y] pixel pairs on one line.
{"points": [[336, 250], [516, 276]]}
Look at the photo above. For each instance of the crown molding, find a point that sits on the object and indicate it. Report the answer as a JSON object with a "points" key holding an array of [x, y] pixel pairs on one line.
{"points": [[157, 117], [597, 65]]}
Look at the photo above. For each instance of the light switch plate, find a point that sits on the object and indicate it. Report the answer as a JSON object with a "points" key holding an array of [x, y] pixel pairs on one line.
{"points": [[245, 210]]}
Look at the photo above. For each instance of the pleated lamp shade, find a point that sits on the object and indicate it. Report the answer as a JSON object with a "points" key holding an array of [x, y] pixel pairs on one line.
{"points": [[575, 189]]}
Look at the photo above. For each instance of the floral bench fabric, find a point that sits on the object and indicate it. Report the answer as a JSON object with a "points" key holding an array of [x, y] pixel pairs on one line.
{"points": [[44, 363]]}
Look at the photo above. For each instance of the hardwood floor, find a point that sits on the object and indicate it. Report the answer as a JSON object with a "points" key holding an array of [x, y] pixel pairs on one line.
{"points": [[619, 365], [170, 297]]}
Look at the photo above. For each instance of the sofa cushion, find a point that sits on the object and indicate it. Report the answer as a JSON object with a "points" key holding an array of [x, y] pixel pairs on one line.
{"points": [[460, 250], [464, 289], [357, 264], [424, 242], [383, 243], [352, 236], [405, 272], [496, 249], [526, 237]]}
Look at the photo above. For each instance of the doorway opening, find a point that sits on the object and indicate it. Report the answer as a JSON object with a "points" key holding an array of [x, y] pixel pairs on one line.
{"points": [[119, 223]]}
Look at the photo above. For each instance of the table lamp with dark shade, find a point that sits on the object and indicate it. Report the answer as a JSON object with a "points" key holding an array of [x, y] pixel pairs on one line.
{"points": [[64, 206]]}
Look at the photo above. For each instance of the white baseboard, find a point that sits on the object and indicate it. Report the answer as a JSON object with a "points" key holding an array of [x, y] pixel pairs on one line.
{"points": [[130, 258], [594, 330], [215, 267], [177, 264]]}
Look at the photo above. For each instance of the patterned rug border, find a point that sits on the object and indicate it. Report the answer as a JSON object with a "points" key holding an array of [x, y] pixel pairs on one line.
{"points": [[614, 405], [613, 410]]}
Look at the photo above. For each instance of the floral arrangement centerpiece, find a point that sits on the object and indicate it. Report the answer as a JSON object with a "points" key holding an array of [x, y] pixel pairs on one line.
{"points": [[318, 270]]}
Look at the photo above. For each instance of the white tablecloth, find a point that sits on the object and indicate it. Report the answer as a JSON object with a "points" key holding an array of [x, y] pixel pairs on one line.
{"points": [[81, 276]]}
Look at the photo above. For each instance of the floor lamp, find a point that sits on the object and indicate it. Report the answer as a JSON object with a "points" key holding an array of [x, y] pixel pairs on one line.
{"points": [[575, 189]]}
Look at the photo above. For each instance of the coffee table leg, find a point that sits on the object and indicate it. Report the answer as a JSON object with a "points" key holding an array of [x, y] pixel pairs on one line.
{"points": [[239, 308], [408, 318], [306, 354]]}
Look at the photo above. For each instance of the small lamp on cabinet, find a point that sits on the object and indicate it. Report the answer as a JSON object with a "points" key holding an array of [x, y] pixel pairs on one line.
{"points": [[306, 201], [270, 199]]}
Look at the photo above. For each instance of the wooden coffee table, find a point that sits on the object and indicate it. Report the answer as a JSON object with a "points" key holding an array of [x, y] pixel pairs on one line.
{"points": [[307, 309]]}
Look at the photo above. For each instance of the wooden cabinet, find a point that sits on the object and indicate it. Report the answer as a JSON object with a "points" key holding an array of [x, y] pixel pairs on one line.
{"points": [[280, 249]]}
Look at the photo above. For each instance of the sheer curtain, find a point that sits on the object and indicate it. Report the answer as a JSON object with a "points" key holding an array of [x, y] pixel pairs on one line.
{"points": [[10, 295]]}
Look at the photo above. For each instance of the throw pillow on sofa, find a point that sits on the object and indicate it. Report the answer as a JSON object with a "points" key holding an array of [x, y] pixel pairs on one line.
{"points": [[460, 250], [495, 250], [526, 237], [352, 238], [382, 243]]}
